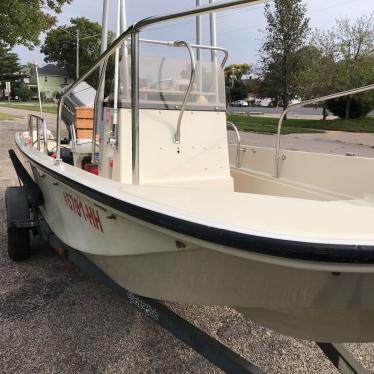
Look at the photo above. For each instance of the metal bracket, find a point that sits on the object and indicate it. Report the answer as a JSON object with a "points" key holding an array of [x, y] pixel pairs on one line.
{"points": [[35, 194], [24, 224]]}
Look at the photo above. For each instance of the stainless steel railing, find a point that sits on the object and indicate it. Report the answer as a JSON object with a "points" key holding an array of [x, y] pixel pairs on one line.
{"points": [[195, 46], [96, 104], [177, 136], [133, 32], [278, 156], [40, 125], [238, 144]]}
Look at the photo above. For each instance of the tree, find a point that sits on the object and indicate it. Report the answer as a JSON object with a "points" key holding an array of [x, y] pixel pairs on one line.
{"points": [[356, 55], [21, 22], [343, 59], [235, 87], [60, 46], [286, 32], [9, 67], [317, 73]]}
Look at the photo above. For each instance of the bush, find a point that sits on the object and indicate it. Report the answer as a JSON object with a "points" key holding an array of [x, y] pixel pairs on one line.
{"points": [[359, 107], [239, 91], [23, 93]]}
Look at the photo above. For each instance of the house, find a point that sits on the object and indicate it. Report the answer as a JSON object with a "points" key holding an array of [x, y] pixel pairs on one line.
{"points": [[52, 81], [24, 75]]}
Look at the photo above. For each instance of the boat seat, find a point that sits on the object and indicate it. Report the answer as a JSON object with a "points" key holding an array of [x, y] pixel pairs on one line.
{"points": [[82, 131], [83, 123]]}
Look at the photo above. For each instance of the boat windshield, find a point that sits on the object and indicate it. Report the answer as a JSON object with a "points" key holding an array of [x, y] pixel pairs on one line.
{"points": [[163, 83]]}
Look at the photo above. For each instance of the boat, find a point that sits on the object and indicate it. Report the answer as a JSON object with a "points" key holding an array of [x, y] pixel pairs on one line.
{"points": [[150, 190]]}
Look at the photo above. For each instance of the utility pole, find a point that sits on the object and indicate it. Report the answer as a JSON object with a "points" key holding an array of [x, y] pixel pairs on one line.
{"points": [[78, 38], [213, 32], [38, 87], [77, 63], [199, 37]]}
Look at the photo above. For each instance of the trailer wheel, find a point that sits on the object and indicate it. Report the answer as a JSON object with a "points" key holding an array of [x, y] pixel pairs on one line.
{"points": [[17, 208]]}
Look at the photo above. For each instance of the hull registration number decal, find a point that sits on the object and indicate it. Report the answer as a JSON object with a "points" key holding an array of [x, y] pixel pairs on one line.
{"points": [[84, 211]]}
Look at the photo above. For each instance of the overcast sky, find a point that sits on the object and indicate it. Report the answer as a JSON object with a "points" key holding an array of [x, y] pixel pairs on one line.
{"points": [[237, 30]]}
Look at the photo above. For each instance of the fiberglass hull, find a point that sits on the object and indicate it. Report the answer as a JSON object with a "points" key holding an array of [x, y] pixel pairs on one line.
{"points": [[323, 301]]}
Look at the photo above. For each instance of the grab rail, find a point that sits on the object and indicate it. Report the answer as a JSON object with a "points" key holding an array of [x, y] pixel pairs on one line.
{"points": [[133, 31], [195, 46], [238, 145], [306, 102], [96, 103], [177, 136], [39, 120]]}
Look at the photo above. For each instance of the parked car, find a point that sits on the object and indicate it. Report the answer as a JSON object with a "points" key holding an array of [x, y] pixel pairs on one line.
{"points": [[239, 103]]}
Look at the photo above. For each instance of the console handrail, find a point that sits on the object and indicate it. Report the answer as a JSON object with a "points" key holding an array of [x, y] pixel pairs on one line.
{"points": [[311, 101], [177, 136], [195, 46], [133, 31]]}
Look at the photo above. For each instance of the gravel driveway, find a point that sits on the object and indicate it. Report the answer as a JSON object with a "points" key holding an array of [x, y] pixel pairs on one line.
{"points": [[54, 319]]}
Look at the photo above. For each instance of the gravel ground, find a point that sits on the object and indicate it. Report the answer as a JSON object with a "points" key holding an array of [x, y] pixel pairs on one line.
{"points": [[54, 319]]}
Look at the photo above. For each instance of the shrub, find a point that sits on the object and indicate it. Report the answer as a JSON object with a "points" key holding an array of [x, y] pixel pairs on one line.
{"points": [[239, 91], [359, 107], [23, 93]]}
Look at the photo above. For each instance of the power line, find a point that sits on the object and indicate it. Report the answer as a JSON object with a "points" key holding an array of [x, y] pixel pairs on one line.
{"points": [[336, 5], [219, 16]]}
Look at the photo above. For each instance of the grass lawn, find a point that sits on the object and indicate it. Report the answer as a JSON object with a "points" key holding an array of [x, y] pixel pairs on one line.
{"points": [[265, 125], [7, 117], [31, 106]]}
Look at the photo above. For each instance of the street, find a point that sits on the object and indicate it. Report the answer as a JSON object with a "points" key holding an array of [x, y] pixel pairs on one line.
{"points": [[307, 113]]}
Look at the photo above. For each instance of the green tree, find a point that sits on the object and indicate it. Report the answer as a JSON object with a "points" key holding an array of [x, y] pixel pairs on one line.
{"points": [[355, 66], [235, 87], [9, 67], [21, 22], [286, 33], [317, 74], [343, 59], [60, 46]]}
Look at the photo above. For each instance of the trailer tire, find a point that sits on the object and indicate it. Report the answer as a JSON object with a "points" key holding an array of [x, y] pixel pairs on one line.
{"points": [[17, 208]]}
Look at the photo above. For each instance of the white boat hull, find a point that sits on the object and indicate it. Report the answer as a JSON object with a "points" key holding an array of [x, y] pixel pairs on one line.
{"points": [[304, 299], [313, 305]]}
